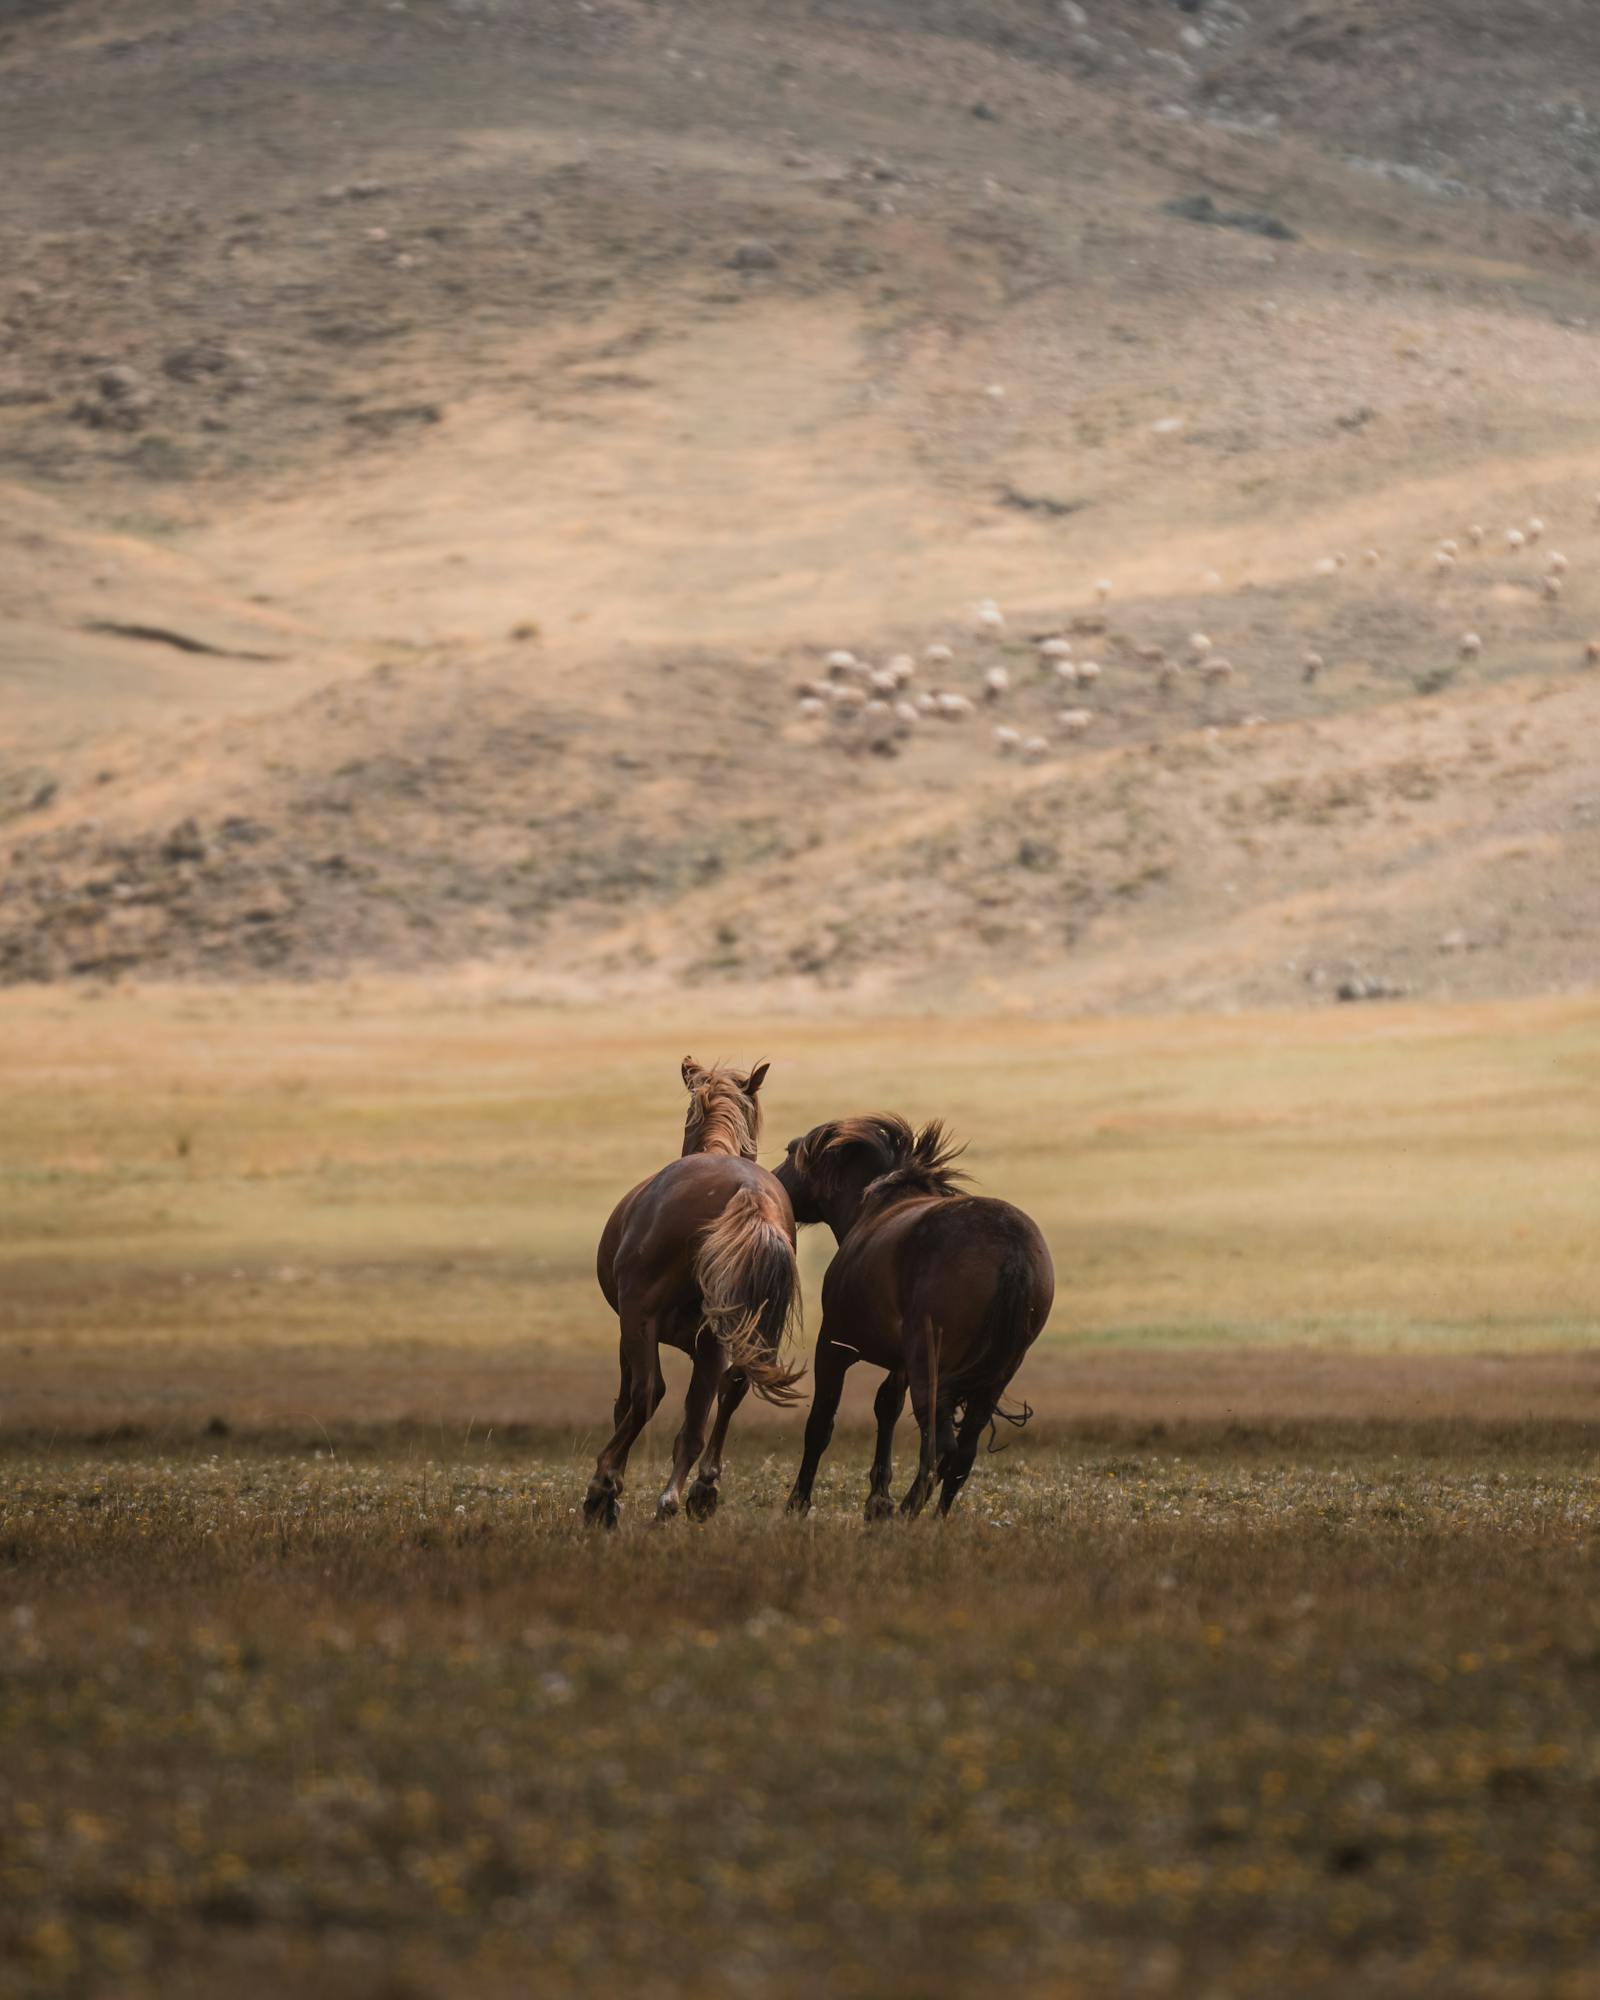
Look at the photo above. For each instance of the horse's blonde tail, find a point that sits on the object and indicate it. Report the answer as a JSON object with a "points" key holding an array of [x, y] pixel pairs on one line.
{"points": [[750, 1292]]}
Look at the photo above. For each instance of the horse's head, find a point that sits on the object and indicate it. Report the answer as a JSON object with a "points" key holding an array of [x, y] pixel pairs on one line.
{"points": [[724, 1114], [835, 1169]]}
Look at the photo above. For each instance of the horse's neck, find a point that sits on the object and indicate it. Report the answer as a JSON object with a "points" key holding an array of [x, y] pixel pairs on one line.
{"points": [[726, 1131]]}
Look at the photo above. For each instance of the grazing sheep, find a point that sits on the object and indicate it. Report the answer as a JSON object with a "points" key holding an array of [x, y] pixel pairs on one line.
{"points": [[1102, 589], [938, 655], [1054, 649], [1067, 670], [1006, 740], [1559, 564], [1475, 535], [814, 690], [1443, 561], [1074, 721], [1451, 548], [903, 667], [1088, 671], [906, 712], [1311, 666], [881, 681], [1166, 678], [810, 706], [996, 682], [848, 697], [1515, 539], [1371, 558], [1215, 672], [1199, 645], [926, 703], [1036, 749], [1325, 566], [989, 617], [1535, 528], [1553, 587], [1151, 656], [1471, 646], [1591, 653], [841, 663], [953, 707]]}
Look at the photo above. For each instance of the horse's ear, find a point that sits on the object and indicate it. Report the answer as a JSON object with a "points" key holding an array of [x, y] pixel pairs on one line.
{"points": [[758, 1076], [692, 1073]]}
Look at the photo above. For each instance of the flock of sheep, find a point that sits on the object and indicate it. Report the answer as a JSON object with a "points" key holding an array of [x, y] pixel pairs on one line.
{"points": [[877, 708]]}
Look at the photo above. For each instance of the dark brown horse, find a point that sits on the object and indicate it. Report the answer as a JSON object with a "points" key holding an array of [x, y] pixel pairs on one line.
{"points": [[700, 1256], [945, 1290]]}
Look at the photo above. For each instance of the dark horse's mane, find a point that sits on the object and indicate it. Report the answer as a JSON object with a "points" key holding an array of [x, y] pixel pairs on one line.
{"points": [[906, 1162]]}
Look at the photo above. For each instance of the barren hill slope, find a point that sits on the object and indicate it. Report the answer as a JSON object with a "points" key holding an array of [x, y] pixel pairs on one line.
{"points": [[687, 343]]}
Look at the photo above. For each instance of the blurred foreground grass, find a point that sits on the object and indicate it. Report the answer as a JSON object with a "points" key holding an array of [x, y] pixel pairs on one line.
{"points": [[1229, 1720]]}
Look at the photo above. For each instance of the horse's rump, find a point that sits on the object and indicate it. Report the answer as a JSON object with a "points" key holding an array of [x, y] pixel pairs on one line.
{"points": [[985, 1272]]}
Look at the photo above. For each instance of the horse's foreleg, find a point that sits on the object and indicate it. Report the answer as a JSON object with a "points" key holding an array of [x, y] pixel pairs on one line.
{"points": [[640, 1396], [886, 1407], [708, 1371], [700, 1502], [832, 1364], [922, 1366]]}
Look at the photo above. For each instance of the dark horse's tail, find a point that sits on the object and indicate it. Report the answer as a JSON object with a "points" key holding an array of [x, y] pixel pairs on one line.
{"points": [[1005, 1336], [750, 1292]]}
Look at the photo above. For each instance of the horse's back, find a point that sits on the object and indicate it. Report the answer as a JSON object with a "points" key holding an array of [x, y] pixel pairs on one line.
{"points": [[653, 1232], [958, 1250]]}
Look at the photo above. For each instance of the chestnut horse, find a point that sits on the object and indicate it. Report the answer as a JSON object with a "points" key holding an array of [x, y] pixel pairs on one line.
{"points": [[700, 1256], [943, 1289]]}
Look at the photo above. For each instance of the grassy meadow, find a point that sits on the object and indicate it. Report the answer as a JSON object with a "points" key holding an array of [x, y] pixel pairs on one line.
{"points": [[1268, 1655]]}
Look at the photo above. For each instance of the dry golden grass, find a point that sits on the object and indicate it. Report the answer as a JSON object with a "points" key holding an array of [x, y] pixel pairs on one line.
{"points": [[383, 1201]]}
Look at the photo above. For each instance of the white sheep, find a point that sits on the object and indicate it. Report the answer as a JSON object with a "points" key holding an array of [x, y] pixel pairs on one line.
{"points": [[1088, 671], [954, 707], [848, 697], [907, 713], [1199, 644], [1325, 566], [926, 703], [996, 682], [1535, 528], [810, 707], [1006, 740], [1471, 646], [1558, 564], [1216, 671], [1055, 649], [1074, 721], [903, 667], [1102, 589], [841, 663], [1067, 670], [1371, 558], [1311, 666], [1515, 539], [938, 655], [1553, 587], [1151, 656], [1036, 749], [1451, 547], [1475, 534], [989, 617], [1591, 653], [1443, 561], [881, 681]]}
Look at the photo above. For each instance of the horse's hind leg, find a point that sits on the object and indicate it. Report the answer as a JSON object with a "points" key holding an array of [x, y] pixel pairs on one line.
{"points": [[957, 1464], [700, 1502], [886, 1407], [922, 1367], [637, 1402], [708, 1370]]}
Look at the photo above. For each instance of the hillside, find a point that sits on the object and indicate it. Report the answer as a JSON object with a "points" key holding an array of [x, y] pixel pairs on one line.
{"points": [[439, 441]]}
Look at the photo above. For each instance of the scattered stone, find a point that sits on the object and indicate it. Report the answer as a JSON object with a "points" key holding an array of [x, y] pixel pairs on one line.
{"points": [[754, 256], [201, 358], [26, 791], [1201, 208], [183, 843], [1365, 987]]}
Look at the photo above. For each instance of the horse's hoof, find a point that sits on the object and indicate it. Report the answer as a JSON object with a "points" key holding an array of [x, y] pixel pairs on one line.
{"points": [[798, 1503], [700, 1502], [914, 1502], [666, 1510], [600, 1507], [880, 1507]]}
